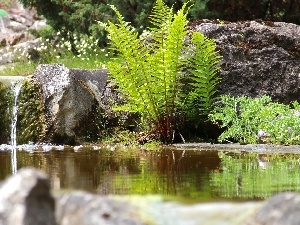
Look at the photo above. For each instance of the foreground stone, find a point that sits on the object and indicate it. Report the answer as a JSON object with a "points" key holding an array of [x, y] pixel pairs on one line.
{"points": [[80, 208], [281, 209], [259, 57], [25, 199]]}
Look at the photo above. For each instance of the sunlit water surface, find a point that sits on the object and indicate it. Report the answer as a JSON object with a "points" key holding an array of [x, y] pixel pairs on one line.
{"points": [[196, 175]]}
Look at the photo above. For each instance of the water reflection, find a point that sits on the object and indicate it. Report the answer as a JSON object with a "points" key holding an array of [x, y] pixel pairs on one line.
{"points": [[203, 175], [252, 175]]}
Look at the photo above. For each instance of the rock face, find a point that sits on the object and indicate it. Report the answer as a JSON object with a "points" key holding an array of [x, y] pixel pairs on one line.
{"points": [[78, 103], [17, 23], [67, 101], [259, 58], [280, 209], [25, 199]]}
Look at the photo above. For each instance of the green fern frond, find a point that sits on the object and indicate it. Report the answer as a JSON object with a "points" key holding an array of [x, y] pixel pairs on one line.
{"points": [[204, 75], [160, 16], [132, 74]]}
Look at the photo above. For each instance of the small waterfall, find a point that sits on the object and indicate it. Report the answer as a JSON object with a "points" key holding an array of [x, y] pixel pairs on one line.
{"points": [[13, 135]]}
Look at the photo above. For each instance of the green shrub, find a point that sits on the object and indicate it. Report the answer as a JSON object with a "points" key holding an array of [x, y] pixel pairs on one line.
{"points": [[150, 71], [81, 16], [244, 117]]}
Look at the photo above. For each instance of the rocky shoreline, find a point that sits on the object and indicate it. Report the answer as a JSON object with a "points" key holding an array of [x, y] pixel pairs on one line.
{"points": [[26, 198]]}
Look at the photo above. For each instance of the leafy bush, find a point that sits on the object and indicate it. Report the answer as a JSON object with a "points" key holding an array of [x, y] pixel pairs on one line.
{"points": [[244, 117], [150, 71]]}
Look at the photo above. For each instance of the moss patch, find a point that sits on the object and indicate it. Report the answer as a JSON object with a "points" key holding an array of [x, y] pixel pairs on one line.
{"points": [[32, 122], [5, 118]]}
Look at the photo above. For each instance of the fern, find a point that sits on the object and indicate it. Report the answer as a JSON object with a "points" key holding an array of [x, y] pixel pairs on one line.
{"points": [[132, 74], [150, 73], [149, 78], [204, 76]]}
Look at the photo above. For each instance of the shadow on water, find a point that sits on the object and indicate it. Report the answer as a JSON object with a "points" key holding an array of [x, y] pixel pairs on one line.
{"points": [[200, 175]]}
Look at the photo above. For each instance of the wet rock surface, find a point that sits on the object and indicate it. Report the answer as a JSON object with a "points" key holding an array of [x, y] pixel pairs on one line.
{"points": [[259, 57]]}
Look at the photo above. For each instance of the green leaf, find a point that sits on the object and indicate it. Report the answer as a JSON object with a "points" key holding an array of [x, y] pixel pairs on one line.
{"points": [[3, 13]]}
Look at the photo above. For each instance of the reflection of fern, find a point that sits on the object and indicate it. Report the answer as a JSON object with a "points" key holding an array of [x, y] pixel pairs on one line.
{"points": [[204, 76]]}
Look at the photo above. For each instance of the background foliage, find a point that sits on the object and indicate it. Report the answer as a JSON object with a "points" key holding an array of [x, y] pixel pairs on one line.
{"points": [[244, 117], [81, 16], [255, 175]]}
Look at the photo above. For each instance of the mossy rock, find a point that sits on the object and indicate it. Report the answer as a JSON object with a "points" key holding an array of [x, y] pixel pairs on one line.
{"points": [[5, 118], [32, 123]]}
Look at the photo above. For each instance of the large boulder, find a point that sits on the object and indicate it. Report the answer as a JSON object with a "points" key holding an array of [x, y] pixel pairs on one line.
{"points": [[25, 199], [68, 102], [259, 58], [78, 103]]}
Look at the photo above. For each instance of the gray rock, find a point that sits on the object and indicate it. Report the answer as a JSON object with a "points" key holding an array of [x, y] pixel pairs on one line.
{"points": [[16, 26], [80, 208], [25, 199], [79, 103], [259, 58], [38, 25], [67, 101], [280, 209], [96, 80], [106, 94]]}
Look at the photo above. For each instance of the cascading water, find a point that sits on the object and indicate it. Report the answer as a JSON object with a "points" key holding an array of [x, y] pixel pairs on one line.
{"points": [[13, 135]]}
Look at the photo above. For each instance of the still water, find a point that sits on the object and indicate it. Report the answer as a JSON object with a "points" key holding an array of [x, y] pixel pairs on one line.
{"points": [[198, 175]]}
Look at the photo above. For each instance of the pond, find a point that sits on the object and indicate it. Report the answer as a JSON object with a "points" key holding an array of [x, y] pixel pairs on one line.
{"points": [[199, 175]]}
